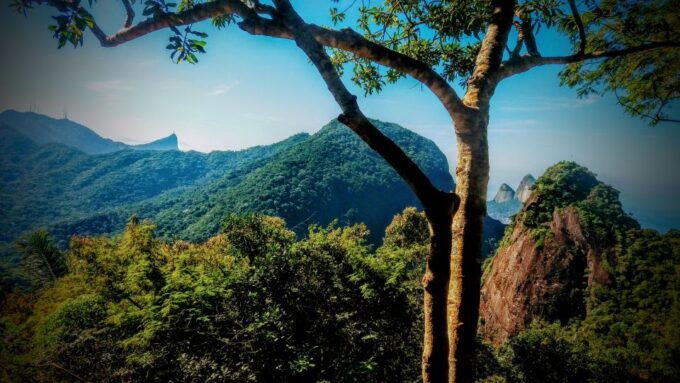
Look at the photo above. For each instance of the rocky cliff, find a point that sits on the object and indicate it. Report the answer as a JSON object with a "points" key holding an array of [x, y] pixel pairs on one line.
{"points": [[548, 280], [553, 252]]}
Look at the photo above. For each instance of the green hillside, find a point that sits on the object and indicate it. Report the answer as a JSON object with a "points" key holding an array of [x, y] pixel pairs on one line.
{"points": [[304, 179], [50, 183], [333, 175]]}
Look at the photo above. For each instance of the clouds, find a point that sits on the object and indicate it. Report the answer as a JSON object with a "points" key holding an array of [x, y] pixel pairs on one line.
{"points": [[223, 88], [107, 86], [545, 104]]}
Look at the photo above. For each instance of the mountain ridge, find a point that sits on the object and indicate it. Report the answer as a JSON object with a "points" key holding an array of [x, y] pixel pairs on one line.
{"points": [[43, 129]]}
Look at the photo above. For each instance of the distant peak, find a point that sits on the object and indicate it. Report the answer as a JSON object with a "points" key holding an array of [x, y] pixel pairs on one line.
{"points": [[504, 194], [166, 143], [524, 188]]}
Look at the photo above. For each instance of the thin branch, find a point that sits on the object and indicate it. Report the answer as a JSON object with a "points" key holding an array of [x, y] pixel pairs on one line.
{"points": [[431, 197], [515, 52], [130, 13], [513, 67], [579, 24], [656, 118], [529, 38]]}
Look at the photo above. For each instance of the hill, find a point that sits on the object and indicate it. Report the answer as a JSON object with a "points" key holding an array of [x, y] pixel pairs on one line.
{"points": [[574, 258], [42, 129], [304, 179], [43, 185]]}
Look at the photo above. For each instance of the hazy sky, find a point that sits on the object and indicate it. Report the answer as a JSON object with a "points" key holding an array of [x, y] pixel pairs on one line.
{"points": [[257, 90]]}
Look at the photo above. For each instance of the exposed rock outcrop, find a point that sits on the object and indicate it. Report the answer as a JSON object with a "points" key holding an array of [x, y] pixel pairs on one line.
{"points": [[504, 194], [524, 189], [534, 277]]}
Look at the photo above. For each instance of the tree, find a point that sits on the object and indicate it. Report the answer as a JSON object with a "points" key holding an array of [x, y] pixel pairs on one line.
{"points": [[626, 47], [41, 257]]}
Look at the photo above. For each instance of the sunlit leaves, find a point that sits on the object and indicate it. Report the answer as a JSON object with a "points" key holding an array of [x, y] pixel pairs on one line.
{"points": [[337, 16], [223, 21], [441, 34]]}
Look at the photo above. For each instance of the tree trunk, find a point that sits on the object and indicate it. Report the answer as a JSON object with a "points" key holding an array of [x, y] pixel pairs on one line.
{"points": [[472, 176], [435, 368]]}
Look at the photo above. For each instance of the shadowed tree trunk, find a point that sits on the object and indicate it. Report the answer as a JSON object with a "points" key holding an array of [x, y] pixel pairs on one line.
{"points": [[435, 364]]}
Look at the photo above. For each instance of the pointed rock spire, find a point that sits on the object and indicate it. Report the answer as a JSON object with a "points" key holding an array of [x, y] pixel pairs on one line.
{"points": [[524, 188], [504, 194]]}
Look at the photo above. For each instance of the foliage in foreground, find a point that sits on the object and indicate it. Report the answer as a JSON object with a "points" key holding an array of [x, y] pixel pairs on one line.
{"points": [[251, 304], [255, 304]]}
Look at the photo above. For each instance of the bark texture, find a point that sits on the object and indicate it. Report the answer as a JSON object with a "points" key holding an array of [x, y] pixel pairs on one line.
{"points": [[472, 175]]}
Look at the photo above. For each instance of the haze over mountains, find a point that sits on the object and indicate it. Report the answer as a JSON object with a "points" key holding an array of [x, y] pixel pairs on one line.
{"points": [[43, 129]]}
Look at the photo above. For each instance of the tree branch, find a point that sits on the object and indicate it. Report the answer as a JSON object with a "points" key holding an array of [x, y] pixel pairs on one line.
{"points": [[431, 197], [579, 24], [482, 83], [346, 39], [513, 67], [130, 13], [529, 38]]}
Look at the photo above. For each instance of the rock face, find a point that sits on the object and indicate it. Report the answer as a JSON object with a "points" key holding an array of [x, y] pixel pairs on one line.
{"points": [[529, 279], [524, 188], [504, 194]]}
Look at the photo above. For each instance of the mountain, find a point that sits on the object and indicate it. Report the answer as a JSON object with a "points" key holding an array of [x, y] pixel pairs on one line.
{"points": [[166, 143], [332, 175], [578, 283], [507, 202], [554, 253], [524, 188], [52, 184], [504, 194], [43, 129], [304, 179]]}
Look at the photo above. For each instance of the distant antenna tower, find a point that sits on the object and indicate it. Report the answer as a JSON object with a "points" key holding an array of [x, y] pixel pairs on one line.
{"points": [[65, 113]]}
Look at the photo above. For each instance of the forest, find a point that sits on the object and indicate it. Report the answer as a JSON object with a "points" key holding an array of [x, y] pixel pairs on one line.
{"points": [[257, 303]]}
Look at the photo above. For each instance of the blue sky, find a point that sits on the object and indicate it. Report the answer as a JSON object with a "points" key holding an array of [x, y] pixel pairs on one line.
{"points": [[251, 90]]}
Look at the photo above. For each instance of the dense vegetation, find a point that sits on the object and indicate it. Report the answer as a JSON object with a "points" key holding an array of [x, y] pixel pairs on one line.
{"points": [[249, 300], [251, 304], [256, 304], [44, 184]]}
